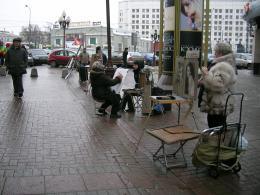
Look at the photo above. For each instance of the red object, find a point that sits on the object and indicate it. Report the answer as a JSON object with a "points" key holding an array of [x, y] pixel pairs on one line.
{"points": [[76, 42], [8, 44], [56, 57]]}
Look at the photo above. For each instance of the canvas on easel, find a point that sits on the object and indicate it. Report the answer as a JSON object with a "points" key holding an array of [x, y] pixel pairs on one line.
{"points": [[190, 78]]}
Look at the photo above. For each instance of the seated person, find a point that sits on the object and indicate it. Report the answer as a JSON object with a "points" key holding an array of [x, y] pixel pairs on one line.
{"points": [[101, 84], [127, 99]]}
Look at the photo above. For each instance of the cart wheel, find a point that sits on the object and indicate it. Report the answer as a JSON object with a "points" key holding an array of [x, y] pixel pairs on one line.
{"points": [[237, 168], [213, 172]]}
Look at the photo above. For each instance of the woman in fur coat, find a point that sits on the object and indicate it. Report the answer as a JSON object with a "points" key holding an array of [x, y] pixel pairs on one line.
{"points": [[218, 82]]}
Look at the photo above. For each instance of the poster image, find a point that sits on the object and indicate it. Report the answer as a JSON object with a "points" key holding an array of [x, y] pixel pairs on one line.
{"points": [[191, 15], [191, 78]]}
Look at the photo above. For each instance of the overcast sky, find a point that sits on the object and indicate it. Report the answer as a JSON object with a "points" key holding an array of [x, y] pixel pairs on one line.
{"points": [[14, 14]]}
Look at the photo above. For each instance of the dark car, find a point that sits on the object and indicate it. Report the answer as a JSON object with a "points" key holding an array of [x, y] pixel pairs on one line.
{"points": [[149, 57], [39, 56], [59, 57]]}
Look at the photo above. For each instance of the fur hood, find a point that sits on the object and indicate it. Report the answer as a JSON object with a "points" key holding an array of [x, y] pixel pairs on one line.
{"points": [[229, 58]]}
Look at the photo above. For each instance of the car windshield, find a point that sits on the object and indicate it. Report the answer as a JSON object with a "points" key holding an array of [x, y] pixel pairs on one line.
{"points": [[38, 52]]}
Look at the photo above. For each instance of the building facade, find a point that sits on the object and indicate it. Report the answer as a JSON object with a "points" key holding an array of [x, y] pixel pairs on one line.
{"points": [[227, 24], [142, 17], [96, 35], [226, 21]]}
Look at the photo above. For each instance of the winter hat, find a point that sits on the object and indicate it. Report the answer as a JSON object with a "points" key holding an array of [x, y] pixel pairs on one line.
{"points": [[97, 66]]}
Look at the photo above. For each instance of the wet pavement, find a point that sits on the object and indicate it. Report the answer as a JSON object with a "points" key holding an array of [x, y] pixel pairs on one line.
{"points": [[51, 142]]}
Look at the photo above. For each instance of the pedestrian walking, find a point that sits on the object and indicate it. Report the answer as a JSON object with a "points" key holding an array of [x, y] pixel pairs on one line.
{"points": [[16, 60]]}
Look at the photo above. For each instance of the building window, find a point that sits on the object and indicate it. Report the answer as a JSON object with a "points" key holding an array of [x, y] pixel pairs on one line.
{"points": [[137, 10], [147, 21], [93, 41], [147, 10], [147, 15], [137, 21], [157, 16], [143, 16], [237, 17], [153, 10], [147, 26], [137, 27], [133, 16], [143, 26], [133, 21], [157, 10], [133, 10], [153, 16], [133, 26], [157, 21], [226, 10], [237, 11], [137, 16], [143, 10]]}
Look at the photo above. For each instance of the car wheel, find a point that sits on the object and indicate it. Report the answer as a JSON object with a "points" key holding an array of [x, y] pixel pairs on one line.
{"points": [[53, 64]]}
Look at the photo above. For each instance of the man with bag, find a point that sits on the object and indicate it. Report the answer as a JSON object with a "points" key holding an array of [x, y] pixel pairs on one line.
{"points": [[16, 60], [84, 60]]}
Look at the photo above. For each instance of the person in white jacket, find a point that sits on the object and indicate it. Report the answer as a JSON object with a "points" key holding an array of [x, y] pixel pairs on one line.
{"points": [[218, 83]]}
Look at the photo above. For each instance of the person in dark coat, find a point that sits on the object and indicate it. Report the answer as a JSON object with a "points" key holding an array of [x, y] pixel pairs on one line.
{"points": [[125, 53], [16, 61], [127, 99], [101, 90]]}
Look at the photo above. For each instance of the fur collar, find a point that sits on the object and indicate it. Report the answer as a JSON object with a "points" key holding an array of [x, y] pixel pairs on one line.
{"points": [[229, 58]]}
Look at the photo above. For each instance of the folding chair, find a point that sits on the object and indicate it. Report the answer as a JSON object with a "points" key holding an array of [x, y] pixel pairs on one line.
{"points": [[172, 135]]}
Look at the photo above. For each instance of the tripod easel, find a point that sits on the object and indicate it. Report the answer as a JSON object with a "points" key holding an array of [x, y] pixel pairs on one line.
{"points": [[72, 64]]}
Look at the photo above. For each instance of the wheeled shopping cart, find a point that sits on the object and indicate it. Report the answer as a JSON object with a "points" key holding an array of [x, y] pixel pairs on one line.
{"points": [[220, 148]]}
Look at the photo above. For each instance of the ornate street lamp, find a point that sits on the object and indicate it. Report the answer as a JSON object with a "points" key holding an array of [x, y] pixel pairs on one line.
{"points": [[64, 23], [29, 38], [155, 39]]}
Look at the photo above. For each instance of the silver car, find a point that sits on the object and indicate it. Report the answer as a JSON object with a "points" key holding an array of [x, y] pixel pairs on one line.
{"points": [[243, 60]]}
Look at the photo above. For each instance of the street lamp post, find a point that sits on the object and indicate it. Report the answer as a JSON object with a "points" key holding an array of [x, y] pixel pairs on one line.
{"points": [[155, 39], [64, 23], [29, 38]]}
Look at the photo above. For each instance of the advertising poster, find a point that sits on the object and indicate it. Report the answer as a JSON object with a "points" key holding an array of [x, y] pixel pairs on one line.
{"points": [[168, 36], [191, 15], [191, 23]]}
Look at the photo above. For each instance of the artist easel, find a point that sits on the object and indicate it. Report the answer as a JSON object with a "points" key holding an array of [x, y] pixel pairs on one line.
{"points": [[72, 64]]}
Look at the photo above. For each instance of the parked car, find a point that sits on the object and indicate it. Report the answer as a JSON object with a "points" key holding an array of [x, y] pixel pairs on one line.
{"points": [[59, 57], [48, 51], [30, 61], [149, 57], [243, 60], [133, 56], [116, 57], [39, 56], [210, 57]]}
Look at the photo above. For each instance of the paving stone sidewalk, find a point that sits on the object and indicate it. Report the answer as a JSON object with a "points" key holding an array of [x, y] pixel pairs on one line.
{"points": [[51, 142]]}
